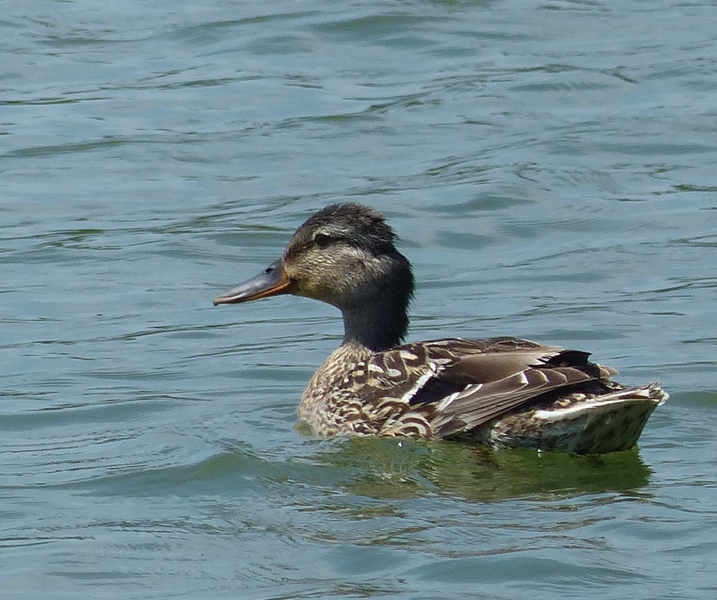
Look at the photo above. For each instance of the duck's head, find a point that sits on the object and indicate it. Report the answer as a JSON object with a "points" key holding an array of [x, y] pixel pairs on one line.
{"points": [[343, 255]]}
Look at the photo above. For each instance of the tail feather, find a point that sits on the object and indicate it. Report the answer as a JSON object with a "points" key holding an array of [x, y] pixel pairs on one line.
{"points": [[605, 423], [651, 395]]}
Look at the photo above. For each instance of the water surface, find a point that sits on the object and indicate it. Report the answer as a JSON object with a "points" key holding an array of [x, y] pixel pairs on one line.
{"points": [[549, 167]]}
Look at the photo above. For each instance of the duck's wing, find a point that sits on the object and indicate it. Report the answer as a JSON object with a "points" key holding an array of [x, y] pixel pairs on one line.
{"points": [[475, 381]]}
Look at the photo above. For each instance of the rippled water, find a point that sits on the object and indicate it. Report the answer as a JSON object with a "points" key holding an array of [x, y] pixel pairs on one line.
{"points": [[550, 167]]}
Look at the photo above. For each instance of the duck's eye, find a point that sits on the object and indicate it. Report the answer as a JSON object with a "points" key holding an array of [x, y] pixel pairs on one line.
{"points": [[321, 240]]}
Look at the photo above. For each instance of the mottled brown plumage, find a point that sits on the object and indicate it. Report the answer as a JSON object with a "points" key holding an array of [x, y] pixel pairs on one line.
{"points": [[503, 392]]}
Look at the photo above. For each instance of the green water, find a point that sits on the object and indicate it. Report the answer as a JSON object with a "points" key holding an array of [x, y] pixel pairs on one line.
{"points": [[549, 167]]}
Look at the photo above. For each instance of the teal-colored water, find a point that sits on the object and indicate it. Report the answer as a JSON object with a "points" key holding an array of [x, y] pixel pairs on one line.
{"points": [[550, 167]]}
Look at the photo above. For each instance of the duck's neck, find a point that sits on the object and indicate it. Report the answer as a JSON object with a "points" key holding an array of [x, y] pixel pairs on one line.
{"points": [[376, 327], [380, 320]]}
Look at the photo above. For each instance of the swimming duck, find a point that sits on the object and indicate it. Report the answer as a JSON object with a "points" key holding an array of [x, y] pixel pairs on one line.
{"points": [[502, 392]]}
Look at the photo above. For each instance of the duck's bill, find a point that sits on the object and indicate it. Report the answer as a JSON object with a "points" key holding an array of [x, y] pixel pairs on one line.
{"points": [[271, 282]]}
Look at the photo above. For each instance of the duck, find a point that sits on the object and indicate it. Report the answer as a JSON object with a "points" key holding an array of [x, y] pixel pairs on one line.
{"points": [[501, 392]]}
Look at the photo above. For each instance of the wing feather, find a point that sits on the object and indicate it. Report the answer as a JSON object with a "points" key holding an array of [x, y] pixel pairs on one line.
{"points": [[488, 378]]}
